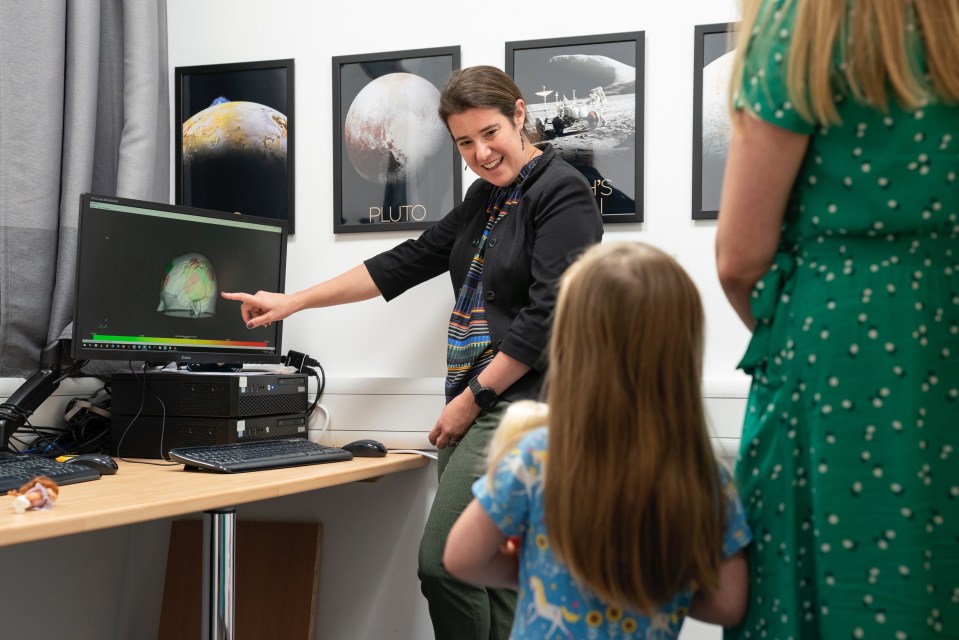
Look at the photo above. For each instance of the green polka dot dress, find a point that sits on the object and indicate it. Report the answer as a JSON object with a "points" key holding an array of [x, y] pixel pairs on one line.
{"points": [[849, 469]]}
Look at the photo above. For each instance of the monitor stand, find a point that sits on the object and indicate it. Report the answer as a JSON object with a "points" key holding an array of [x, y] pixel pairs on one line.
{"points": [[37, 388]]}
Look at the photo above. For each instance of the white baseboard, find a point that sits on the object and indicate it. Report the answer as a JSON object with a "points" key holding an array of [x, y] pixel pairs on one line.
{"points": [[400, 412]]}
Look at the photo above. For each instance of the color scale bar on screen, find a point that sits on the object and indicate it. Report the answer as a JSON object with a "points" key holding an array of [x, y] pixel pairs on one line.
{"points": [[176, 342]]}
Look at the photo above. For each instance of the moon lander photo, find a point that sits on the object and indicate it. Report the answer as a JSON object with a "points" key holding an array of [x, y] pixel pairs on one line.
{"points": [[587, 112]]}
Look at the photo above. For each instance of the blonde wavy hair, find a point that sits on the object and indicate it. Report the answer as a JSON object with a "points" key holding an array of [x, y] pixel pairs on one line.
{"points": [[632, 492], [876, 49]]}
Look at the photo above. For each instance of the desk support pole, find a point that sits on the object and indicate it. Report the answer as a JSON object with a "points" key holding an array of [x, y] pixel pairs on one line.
{"points": [[222, 573]]}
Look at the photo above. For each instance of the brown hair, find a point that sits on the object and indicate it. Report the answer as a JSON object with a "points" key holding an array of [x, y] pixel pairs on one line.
{"points": [[876, 52], [481, 87], [632, 495]]}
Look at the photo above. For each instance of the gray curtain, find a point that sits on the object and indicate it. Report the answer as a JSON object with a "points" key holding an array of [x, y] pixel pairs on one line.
{"points": [[84, 107]]}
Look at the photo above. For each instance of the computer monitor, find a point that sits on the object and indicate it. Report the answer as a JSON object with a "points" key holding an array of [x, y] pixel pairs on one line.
{"points": [[149, 278]]}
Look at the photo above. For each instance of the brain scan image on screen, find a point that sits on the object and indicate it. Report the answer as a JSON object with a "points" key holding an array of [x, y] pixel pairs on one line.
{"points": [[188, 287]]}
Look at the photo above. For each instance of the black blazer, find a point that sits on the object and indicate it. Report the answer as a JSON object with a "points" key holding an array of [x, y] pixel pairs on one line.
{"points": [[528, 250]]}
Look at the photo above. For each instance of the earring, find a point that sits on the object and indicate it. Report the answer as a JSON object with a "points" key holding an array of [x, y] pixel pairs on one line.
{"points": [[522, 141]]}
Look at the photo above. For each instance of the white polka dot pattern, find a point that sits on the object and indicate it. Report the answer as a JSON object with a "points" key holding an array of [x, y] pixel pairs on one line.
{"points": [[848, 466]]}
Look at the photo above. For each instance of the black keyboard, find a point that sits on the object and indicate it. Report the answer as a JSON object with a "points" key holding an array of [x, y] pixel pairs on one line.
{"points": [[257, 455], [17, 469]]}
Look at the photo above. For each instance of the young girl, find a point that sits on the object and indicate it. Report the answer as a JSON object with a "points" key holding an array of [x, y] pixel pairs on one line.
{"points": [[632, 524]]}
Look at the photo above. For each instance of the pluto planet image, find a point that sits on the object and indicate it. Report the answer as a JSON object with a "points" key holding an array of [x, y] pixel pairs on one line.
{"points": [[392, 128], [235, 159]]}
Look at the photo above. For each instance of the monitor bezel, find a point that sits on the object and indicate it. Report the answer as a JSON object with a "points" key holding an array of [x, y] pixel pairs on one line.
{"points": [[181, 358]]}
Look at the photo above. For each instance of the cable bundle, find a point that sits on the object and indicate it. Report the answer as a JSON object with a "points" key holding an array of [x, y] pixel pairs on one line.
{"points": [[86, 428]]}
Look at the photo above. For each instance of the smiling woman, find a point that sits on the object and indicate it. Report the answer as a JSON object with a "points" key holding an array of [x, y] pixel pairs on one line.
{"points": [[529, 207], [494, 146], [486, 115]]}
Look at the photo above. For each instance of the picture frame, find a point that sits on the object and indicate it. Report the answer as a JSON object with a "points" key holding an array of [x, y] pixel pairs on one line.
{"points": [[394, 164], [714, 49], [250, 168], [600, 131]]}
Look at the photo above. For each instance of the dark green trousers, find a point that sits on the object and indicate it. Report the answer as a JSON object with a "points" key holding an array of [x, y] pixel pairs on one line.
{"points": [[458, 610]]}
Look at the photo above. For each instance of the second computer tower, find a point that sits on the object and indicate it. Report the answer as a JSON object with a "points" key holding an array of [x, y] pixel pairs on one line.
{"points": [[160, 410]]}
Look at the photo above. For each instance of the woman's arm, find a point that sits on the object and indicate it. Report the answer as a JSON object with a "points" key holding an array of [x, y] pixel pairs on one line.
{"points": [[396, 270], [501, 373], [265, 307], [459, 413], [726, 605], [761, 168], [476, 551]]}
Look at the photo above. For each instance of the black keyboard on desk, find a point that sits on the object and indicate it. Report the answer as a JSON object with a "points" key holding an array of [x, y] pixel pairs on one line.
{"points": [[17, 469], [257, 455]]}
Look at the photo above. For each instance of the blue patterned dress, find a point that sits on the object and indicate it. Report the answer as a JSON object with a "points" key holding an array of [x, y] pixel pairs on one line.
{"points": [[551, 604]]}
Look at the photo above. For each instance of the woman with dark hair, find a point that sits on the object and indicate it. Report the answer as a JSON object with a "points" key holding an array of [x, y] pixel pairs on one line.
{"points": [[505, 247]]}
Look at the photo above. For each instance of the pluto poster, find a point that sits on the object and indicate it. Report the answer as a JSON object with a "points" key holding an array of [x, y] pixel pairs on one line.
{"points": [[395, 166], [585, 97], [235, 148]]}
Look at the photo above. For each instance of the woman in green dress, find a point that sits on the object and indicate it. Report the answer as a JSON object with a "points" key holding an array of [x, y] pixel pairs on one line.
{"points": [[837, 246]]}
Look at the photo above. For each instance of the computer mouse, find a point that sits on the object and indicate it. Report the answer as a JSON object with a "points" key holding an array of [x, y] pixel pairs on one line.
{"points": [[365, 448], [103, 463]]}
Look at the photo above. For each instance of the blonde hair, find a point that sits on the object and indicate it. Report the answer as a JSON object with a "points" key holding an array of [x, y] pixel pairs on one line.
{"points": [[632, 495], [875, 48]]}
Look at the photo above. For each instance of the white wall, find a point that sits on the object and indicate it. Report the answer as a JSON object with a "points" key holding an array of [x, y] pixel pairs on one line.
{"points": [[407, 337], [385, 361], [379, 348]]}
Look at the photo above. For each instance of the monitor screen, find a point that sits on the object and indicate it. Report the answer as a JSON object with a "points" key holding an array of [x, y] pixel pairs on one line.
{"points": [[149, 278]]}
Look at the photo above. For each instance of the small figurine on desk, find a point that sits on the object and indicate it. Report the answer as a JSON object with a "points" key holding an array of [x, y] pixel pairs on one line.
{"points": [[39, 493]]}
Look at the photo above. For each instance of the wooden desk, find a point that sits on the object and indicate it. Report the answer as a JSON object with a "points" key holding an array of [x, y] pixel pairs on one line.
{"points": [[144, 492]]}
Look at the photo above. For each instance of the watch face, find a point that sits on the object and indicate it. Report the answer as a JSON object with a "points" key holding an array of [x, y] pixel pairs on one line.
{"points": [[484, 396]]}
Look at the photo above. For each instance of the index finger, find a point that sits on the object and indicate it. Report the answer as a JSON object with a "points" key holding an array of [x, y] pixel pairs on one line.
{"points": [[242, 297]]}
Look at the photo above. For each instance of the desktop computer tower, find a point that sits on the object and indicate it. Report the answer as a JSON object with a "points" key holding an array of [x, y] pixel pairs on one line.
{"points": [[180, 409], [154, 436], [213, 395]]}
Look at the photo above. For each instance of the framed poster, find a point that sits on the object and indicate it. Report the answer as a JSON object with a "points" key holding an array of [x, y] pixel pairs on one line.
{"points": [[394, 164], [234, 138], [586, 95], [713, 63]]}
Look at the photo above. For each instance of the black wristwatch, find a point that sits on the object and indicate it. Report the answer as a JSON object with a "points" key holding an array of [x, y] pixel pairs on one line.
{"points": [[485, 397]]}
